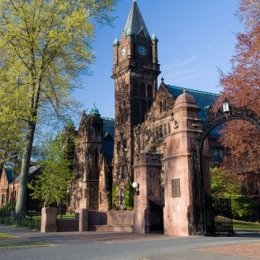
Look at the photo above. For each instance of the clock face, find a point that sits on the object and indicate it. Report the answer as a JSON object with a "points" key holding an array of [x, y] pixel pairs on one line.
{"points": [[141, 50], [123, 51]]}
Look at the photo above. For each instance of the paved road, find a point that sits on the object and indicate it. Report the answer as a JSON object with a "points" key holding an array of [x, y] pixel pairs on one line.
{"points": [[127, 246]]}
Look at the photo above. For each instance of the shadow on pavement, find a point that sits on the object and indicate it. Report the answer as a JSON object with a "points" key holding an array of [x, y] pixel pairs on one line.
{"points": [[253, 234]]}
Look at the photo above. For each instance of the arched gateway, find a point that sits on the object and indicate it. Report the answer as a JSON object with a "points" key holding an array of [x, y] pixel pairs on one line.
{"points": [[203, 203], [187, 205]]}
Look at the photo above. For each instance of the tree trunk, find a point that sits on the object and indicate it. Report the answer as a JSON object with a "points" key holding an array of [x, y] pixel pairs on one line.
{"points": [[22, 193]]}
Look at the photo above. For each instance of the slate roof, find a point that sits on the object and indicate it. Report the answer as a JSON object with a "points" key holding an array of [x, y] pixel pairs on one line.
{"points": [[33, 169], [135, 22], [202, 98], [108, 126], [108, 147], [108, 138], [9, 174]]}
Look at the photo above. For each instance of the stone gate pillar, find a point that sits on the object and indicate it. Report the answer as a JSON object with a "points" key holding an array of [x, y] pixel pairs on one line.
{"points": [[178, 210], [147, 170]]}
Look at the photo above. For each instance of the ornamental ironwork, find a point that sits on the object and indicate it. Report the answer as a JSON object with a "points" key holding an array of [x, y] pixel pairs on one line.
{"points": [[203, 219]]}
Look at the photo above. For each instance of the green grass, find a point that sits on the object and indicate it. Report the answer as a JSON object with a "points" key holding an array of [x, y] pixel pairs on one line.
{"points": [[6, 236], [21, 245], [67, 216], [246, 226]]}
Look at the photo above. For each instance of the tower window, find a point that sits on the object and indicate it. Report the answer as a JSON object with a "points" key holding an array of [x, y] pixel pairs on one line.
{"points": [[96, 157], [118, 147], [135, 89], [165, 129], [161, 106], [149, 91], [142, 90], [161, 131]]}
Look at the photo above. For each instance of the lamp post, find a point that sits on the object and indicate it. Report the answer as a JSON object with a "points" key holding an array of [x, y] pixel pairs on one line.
{"points": [[225, 106], [135, 185]]}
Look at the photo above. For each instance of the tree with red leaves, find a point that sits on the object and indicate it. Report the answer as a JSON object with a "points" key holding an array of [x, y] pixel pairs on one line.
{"points": [[241, 86]]}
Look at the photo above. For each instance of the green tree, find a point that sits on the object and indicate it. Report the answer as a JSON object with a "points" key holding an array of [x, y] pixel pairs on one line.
{"points": [[46, 44], [224, 185], [129, 196], [52, 183], [11, 127]]}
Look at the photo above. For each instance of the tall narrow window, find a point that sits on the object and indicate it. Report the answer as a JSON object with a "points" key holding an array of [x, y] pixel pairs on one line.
{"points": [[150, 91], [142, 90]]}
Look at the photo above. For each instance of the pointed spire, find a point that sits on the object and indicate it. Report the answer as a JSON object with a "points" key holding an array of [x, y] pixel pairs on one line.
{"points": [[116, 42], [135, 22], [154, 37]]}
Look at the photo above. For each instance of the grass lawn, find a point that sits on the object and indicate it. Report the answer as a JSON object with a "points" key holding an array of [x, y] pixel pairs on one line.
{"points": [[6, 236], [246, 226], [66, 216]]}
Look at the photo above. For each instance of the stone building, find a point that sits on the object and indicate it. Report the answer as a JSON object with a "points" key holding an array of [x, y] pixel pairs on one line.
{"points": [[149, 142], [143, 119], [92, 181]]}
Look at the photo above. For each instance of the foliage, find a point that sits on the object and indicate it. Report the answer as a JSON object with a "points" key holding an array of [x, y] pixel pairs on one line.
{"points": [[69, 135], [7, 207], [115, 197], [6, 236], [11, 125], [44, 45], [224, 185], [52, 184], [129, 197], [241, 88]]}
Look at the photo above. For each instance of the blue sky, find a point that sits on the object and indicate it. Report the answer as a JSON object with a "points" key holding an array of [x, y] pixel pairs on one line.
{"points": [[196, 37]]}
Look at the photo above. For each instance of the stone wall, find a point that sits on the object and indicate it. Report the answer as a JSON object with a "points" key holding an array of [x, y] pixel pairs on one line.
{"points": [[110, 217]]}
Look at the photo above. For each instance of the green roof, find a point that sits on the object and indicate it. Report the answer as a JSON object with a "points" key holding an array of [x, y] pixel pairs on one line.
{"points": [[135, 23], [94, 111]]}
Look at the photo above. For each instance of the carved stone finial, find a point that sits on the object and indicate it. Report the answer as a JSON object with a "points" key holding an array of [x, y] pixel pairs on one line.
{"points": [[162, 79]]}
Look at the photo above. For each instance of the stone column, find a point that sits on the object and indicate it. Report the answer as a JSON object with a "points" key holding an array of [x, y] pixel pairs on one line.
{"points": [[147, 170], [178, 210], [49, 220], [82, 216]]}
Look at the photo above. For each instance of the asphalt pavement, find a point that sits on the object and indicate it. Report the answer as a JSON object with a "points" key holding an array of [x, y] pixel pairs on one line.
{"points": [[31, 245]]}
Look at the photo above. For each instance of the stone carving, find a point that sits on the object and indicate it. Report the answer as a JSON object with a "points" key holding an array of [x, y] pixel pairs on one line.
{"points": [[174, 146]]}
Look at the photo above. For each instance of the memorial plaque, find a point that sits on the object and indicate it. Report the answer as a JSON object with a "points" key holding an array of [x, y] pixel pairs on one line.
{"points": [[176, 191]]}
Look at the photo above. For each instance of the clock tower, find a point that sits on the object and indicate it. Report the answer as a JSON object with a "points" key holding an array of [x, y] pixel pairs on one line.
{"points": [[135, 71]]}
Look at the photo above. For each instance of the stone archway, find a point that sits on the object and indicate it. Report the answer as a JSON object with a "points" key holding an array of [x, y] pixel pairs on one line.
{"points": [[200, 196]]}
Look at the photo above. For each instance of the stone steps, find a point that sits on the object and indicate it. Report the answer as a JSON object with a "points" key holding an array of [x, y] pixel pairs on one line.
{"points": [[111, 228]]}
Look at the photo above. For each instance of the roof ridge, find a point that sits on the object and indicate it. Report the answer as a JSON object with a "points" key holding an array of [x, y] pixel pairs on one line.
{"points": [[108, 118], [193, 90]]}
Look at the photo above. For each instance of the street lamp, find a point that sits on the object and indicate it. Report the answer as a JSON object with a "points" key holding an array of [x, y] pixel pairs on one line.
{"points": [[135, 185], [225, 106]]}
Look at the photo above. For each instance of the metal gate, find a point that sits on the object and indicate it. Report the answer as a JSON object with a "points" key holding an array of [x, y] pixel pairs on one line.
{"points": [[218, 216]]}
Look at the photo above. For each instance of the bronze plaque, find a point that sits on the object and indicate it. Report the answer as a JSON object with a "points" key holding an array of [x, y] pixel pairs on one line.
{"points": [[176, 190]]}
